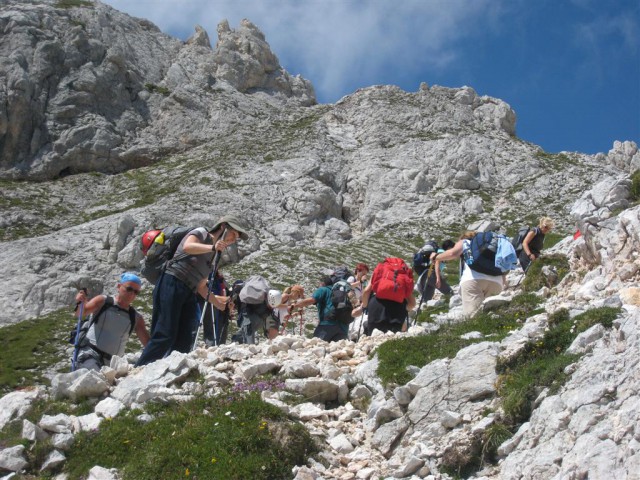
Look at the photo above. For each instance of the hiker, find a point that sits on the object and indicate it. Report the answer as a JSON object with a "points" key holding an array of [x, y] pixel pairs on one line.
{"points": [[290, 295], [474, 286], [428, 284], [278, 313], [532, 243], [112, 322], [252, 303], [175, 308], [358, 281], [328, 329], [389, 297], [215, 332]]}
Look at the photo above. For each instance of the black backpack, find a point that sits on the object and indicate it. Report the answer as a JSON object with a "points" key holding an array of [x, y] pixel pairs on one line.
{"points": [[162, 250], [341, 302], [93, 318], [519, 238], [422, 258], [340, 273]]}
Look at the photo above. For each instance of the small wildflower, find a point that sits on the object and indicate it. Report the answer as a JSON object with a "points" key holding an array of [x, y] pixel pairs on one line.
{"points": [[187, 472], [214, 460]]}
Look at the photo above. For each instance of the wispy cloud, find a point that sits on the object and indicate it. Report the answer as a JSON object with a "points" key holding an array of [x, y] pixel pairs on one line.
{"points": [[608, 43], [339, 43]]}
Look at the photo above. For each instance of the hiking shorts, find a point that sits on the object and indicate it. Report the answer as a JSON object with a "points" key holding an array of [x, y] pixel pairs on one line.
{"points": [[271, 322]]}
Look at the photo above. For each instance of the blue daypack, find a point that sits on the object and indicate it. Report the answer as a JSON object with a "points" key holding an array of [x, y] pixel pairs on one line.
{"points": [[479, 253]]}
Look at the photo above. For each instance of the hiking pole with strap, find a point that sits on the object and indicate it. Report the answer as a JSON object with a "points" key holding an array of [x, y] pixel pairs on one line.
{"points": [[76, 346], [214, 273], [429, 272]]}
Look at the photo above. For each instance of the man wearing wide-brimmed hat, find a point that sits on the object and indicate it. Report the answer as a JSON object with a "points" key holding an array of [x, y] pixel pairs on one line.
{"points": [[175, 310]]}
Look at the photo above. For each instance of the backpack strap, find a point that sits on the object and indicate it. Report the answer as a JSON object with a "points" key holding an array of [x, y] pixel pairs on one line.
{"points": [[183, 255], [132, 318], [110, 302]]}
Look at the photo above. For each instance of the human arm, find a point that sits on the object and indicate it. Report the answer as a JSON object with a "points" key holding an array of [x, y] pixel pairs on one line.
{"points": [[436, 267], [525, 244], [141, 330], [302, 303], [90, 306], [366, 294], [194, 245], [452, 254], [219, 301], [411, 302]]}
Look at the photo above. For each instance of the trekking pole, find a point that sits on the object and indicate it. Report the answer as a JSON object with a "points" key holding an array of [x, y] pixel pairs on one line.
{"points": [[429, 272], [284, 325], [301, 321], [213, 274], [524, 273], [360, 326], [76, 346]]}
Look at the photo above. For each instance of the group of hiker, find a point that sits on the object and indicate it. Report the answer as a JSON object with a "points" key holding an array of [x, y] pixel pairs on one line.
{"points": [[190, 291]]}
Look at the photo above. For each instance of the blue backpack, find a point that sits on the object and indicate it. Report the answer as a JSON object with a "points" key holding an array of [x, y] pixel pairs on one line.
{"points": [[479, 253], [422, 258]]}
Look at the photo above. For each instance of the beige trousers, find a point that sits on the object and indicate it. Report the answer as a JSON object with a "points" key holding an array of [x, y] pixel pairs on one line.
{"points": [[474, 292]]}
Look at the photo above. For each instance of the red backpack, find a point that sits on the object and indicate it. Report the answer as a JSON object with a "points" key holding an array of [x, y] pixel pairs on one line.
{"points": [[392, 280]]}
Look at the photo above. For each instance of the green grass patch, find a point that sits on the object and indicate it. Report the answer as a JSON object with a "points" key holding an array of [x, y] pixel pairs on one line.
{"points": [[542, 363], [28, 348], [634, 191], [397, 354], [535, 280], [153, 88], [202, 438], [73, 3]]}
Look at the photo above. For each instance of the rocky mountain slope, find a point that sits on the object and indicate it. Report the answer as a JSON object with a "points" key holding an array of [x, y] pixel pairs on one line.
{"points": [[589, 428], [180, 132], [109, 127]]}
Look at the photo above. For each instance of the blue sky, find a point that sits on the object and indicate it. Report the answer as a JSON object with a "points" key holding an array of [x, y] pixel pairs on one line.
{"points": [[569, 68]]}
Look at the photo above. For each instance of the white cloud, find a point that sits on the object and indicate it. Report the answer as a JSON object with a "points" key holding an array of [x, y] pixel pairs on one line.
{"points": [[609, 44], [337, 43]]}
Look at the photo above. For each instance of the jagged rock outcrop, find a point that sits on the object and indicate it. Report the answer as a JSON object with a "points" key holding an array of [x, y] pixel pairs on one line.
{"points": [[245, 61], [88, 88]]}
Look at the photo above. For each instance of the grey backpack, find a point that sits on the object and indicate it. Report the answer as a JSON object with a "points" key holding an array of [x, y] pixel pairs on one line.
{"points": [[255, 290]]}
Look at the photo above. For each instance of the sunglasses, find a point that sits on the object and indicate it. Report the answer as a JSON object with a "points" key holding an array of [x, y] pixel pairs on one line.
{"points": [[132, 290]]}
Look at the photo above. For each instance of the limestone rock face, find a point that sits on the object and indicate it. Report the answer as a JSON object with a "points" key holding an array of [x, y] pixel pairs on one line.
{"points": [[245, 61], [87, 88]]}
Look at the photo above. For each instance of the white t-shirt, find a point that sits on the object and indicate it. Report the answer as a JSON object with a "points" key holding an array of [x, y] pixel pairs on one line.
{"points": [[469, 274]]}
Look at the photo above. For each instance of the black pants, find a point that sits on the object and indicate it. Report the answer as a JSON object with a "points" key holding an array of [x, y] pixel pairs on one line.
{"points": [[525, 260], [385, 315], [222, 324], [430, 288]]}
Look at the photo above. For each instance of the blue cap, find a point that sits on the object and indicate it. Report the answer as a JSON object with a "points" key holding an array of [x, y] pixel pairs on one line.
{"points": [[130, 277]]}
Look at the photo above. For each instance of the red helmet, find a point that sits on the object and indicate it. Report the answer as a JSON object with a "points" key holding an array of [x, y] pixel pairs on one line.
{"points": [[147, 240]]}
